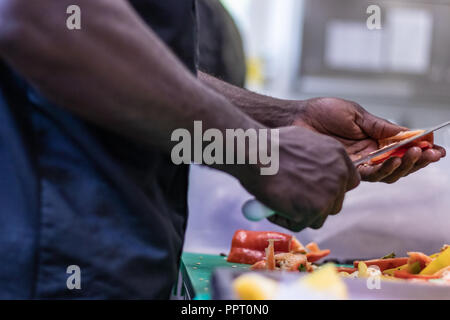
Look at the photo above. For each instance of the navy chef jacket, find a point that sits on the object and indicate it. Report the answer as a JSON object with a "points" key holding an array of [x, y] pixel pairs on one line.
{"points": [[74, 194]]}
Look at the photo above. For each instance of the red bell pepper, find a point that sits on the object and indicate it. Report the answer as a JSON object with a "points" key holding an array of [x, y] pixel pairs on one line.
{"points": [[384, 264], [406, 275], [399, 153], [424, 143], [249, 247], [316, 256], [406, 135], [419, 257], [346, 269], [315, 253], [312, 247]]}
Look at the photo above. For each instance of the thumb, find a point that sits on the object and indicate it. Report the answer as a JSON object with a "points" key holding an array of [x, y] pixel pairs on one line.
{"points": [[378, 128]]}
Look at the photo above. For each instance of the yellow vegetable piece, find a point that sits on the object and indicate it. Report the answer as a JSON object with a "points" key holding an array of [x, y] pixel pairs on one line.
{"points": [[392, 279], [251, 286], [442, 261], [391, 271], [414, 268], [327, 281], [362, 270]]}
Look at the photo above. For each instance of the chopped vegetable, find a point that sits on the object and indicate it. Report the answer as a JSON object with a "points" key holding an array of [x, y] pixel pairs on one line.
{"points": [[347, 270], [424, 143], [279, 251], [399, 153], [296, 246], [270, 254], [315, 253], [327, 281], [405, 135], [389, 256], [442, 272], [323, 283], [316, 256], [440, 262], [312, 247], [302, 268], [414, 268], [420, 257], [248, 247], [402, 274], [273, 250], [362, 270], [391, 271], [385, 264], [252, 286]]}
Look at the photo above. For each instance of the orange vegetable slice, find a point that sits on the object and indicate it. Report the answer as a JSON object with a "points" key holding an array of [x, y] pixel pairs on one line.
{"points": [[424, 143], [384, 264]]}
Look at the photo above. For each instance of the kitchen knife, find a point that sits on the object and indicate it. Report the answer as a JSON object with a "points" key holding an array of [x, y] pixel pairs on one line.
{"points": [[398, 144], [254, 210]]}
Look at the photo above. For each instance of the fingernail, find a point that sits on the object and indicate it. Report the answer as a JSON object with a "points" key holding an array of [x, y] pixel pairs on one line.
{"points": [[435, 153]]}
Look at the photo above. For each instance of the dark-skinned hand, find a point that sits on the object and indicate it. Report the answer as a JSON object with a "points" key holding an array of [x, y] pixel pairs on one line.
{"points": [[358, 131], [308, 186]]}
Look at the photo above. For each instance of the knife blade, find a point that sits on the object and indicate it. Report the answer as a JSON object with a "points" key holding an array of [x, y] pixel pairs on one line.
{"points": [[255, 211], [398, 144]]}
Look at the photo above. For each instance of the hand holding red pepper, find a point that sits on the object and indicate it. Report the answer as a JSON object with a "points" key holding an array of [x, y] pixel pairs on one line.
{"points": [[359, 131]]}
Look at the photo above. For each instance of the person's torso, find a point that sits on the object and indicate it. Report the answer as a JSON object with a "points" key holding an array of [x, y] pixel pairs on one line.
{"points": [[74, 194]]}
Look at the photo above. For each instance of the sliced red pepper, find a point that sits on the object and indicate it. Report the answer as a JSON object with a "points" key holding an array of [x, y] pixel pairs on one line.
{"points": [[384, 264], [346, 269], [317, 255], [312, 247], [260, 265], [406, 275], [399, 153], [420, 257], [270, 254], [296, 246], [248, 247], [245, 256], [406, 135], [424, 143]]}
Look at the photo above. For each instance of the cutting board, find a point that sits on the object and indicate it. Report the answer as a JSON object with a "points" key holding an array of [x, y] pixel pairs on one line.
{"points": [[196, 271]]}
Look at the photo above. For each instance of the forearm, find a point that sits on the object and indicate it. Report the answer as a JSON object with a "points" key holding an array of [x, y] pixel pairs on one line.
{"points": [[272, 112], [114, 72]]}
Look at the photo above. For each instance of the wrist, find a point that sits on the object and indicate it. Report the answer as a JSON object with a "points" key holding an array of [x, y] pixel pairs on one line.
{"points": [[278, 113], [297, 110]]}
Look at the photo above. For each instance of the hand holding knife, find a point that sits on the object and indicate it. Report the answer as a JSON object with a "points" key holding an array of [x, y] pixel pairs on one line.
{"points": [[253, 210]]}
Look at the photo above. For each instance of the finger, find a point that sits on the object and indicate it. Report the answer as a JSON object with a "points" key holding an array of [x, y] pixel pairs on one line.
{"points": [[336, 206], [378, 128], [319, 222], [287, 223], [441, 150], [353, 179], [408, 162], [428, 156], [379, 172], [333, 209], [437, 149]]}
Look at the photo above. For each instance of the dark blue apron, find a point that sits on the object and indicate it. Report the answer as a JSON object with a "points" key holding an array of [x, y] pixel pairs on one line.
{"points": [[74, 194]]}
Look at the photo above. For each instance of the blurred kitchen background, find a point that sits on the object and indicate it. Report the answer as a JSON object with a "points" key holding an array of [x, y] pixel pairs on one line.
{"points": [[299, 49]]}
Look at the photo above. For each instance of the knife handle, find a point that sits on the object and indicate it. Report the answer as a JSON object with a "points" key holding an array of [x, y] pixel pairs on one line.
{"points": [[254, 210]]}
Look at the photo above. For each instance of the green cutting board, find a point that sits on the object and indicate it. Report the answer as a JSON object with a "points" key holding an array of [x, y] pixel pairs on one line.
{"points": [[196, 270]]}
